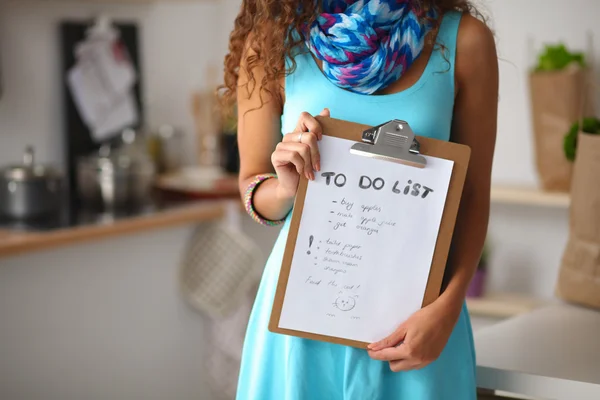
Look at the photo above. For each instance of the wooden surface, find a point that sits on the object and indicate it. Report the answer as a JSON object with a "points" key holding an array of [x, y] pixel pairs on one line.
{"points": [[502, 305], [460, 154], [529, 196], [550, 353], [14, 242], [197, 182]]}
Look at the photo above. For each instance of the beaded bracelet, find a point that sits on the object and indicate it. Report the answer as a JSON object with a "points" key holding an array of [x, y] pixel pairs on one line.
{"points": [[258, 179]]}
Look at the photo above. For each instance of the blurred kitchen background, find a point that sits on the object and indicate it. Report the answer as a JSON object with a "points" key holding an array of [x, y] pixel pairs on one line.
{"points": [[93, 298]]}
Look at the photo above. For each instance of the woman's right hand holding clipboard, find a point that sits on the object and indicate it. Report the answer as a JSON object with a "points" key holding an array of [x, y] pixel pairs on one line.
{"points": [[298, 153]]}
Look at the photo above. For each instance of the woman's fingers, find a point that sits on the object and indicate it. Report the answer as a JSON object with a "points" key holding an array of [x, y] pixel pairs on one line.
{"points": [[304, 151], [282, 157], [308, 123], [391, 354], [296, 153], [309, 139], [403, 365], [315, 156], [303, 141], [392, 340]]}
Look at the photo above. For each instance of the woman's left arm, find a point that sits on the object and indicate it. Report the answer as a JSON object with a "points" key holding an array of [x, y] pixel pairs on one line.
{"points": [[425, 334]]}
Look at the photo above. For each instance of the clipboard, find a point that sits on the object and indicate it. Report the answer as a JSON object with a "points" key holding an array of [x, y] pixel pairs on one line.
{"points": [[393, 141]]}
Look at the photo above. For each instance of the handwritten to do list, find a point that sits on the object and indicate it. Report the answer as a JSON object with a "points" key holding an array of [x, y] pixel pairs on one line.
{"points": [[365, 244]]}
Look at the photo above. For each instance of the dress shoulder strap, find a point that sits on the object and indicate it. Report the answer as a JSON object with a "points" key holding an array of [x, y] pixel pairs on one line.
{"points": [[446, 40]]}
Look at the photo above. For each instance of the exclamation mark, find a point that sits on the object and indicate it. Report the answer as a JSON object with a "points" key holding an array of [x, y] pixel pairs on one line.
{"points": [[310, 241]]}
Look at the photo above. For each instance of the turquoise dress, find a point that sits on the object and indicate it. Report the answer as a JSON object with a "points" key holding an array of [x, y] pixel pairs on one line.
{"points": [[279, 367]]}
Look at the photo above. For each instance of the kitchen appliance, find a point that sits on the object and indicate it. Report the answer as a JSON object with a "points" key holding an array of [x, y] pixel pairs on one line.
{"points": [[30, 190], [170, 148], [207, 131], [117, 178]]}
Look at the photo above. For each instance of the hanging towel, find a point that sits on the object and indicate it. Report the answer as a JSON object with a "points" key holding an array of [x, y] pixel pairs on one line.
{"points": [[219, 277]]}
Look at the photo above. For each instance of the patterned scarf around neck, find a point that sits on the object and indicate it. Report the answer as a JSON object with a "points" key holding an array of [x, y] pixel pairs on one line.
{"points": [[365, 45]]}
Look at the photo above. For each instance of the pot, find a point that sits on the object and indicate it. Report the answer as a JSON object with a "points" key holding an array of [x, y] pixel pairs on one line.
{"points": [[30, 190], [115, 179], [171, 148]]}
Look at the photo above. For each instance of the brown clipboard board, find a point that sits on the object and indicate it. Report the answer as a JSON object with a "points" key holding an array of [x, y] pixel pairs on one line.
{"points": [[458, 153]]}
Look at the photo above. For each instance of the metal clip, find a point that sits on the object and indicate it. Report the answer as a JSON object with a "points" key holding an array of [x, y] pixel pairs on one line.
{"points": [[393, 141]]}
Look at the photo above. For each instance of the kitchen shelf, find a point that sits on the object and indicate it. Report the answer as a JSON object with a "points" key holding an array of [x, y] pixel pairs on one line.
{"points": [[502, 305], [14, 242], [529, 196]]}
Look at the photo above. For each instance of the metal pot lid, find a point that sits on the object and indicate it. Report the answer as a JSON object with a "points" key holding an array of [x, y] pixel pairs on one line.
{"points": [[28, 170], [111, 159]]}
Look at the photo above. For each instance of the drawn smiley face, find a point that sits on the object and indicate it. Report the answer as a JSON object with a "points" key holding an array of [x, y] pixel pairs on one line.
{"points": [[345, 303]]}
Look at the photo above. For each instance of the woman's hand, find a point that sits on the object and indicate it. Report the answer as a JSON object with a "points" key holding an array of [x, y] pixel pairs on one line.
{"points": [[420, 340], [297, 154]]}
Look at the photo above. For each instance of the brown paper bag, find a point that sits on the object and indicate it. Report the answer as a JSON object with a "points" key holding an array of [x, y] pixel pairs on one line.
{"points": [[556, 102], [579, 278]]}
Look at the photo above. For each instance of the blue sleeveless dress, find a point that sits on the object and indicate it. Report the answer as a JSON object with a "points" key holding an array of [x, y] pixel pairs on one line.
{"points": [[279, 367]]}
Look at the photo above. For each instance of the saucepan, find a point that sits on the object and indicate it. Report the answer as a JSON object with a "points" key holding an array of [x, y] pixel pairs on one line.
{"points": [[30, 190], [116, 178]]}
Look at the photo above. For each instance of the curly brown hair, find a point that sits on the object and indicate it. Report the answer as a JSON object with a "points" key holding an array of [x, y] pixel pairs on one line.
{"points": [[263, 26]]}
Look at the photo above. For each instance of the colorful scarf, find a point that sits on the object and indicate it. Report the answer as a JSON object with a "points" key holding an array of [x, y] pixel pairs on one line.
{"points": [[366, 45]]}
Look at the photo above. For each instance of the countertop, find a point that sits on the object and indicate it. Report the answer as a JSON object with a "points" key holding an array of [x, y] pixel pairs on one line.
{"points": [[550, 353], [21, 238]]}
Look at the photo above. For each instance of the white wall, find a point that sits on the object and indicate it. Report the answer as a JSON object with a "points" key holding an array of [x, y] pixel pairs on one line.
{"points": [[104, 320]]}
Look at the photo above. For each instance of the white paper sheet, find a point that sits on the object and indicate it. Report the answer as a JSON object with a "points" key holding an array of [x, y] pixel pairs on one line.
{"points": [[89, 94], [365, 244], [101, 83], [122, 114]]}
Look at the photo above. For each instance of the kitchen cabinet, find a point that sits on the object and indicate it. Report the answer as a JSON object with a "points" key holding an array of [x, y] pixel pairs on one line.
{"points": [[550, 353], [15, 241]]}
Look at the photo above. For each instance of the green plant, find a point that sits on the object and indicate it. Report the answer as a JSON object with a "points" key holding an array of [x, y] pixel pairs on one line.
{"points": [[485, 257], [558, 57], [590, 125], [228, 120]]}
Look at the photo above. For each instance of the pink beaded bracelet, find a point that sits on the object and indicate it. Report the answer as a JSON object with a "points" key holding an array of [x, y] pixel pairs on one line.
{"points": [[249, 194]]}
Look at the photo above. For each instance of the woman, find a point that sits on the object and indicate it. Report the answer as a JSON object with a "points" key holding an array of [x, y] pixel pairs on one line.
{"points": [[429, 62]]}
